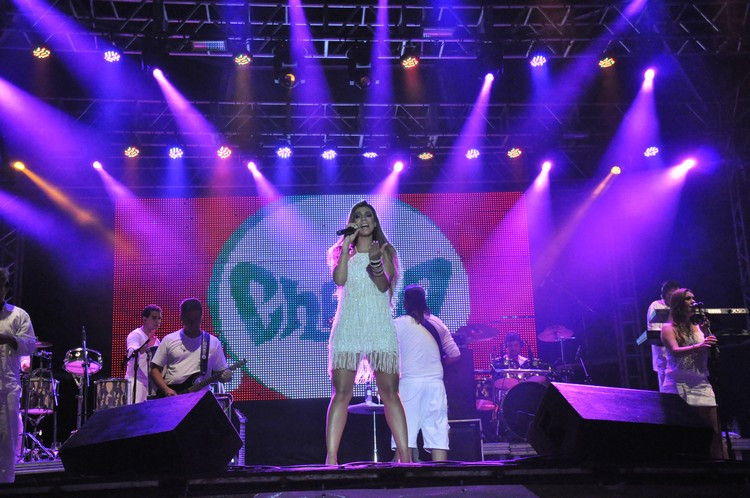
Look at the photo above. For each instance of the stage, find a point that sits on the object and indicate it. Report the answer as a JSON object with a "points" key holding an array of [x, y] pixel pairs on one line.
{"points": [[527, 476]]}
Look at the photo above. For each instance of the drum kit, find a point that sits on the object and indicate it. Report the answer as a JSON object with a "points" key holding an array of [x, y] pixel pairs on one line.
{"points": [[511, 392]]}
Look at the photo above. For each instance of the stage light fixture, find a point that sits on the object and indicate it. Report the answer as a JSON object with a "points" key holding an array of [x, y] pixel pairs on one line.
{"points": [[41, 52], [112, 56], [606, 62], [472, 153], [328, 152], [242, 59], [97, 165], [176, 153], [514, 152], [491, 59], [538, 60], [18, 165], [651, 151], [132, 152], [398, 166], [370, 154], [410, 57], [286, 70], [648, 78], [360, 65], [616, 170], [426, 155], [546, 166], [224, 152], [284, 150]]}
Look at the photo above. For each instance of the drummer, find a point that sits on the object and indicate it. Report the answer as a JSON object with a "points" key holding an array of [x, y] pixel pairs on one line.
{"points": [[513, 345]]}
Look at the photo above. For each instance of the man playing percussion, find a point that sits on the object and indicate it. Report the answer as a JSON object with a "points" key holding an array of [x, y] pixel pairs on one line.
{"points": [[424, 344], [143, 342], [513, 345], [16, 339], [178, 357]]}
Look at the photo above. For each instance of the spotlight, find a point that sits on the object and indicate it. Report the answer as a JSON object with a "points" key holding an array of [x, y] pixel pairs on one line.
{"points": [[132, 152], [514, 152], [410, 57], [360, 65], [176, 153], [616, 170], [328, 152], [651, 151], [19, 166], [285, 69], [284, 150], [426, 155], [491, 56], [681, 169], [369, 154], [41, 52], [158, 73], [242, 59], [648, 78], [224, 152], [606, 62], [112, 56], [472, 153], [398, 166], [538, 60], [253, 168], [97, 165], [489, 78], [546, 166]]}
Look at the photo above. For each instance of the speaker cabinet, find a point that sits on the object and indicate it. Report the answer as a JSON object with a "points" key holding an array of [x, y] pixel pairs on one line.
{"points": [[606, 423], [465, 440], [460, 386], [177, 435]]}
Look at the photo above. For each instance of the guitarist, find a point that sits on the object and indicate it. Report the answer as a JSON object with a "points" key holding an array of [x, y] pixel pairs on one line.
{"points": [[188, 354]]}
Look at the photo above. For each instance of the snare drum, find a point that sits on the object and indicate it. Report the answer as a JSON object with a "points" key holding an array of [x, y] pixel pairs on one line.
{"points": [[41, 401], [111, 393], [225, 400], [73, 362]]}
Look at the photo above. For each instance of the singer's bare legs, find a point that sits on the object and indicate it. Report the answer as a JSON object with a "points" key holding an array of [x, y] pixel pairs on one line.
{"points": [[343, 387], [394, 413], [709, 414]]}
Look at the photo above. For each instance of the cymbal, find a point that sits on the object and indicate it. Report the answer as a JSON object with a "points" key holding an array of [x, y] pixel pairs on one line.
{"points": [[555, 333], [42, 345], [477, 332]]}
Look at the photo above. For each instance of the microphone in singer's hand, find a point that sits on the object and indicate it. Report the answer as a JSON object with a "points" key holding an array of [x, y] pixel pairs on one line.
{"points": [[346, 231]]}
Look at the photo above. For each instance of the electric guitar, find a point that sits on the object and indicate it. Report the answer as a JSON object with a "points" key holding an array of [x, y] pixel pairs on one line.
{"points": [[191, 386]]}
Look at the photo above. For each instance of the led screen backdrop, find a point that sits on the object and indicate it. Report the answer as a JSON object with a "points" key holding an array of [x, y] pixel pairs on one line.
{"points": [[259, 266]]}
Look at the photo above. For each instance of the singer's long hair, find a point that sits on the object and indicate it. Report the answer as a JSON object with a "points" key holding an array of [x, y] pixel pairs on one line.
{"points": [[334, 252], [678, 313]]}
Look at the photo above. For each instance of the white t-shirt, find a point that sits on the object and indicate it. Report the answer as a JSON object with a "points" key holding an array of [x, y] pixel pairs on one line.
{"points": [[419, 353], [135, 340], [658, 353], [180, 357]]}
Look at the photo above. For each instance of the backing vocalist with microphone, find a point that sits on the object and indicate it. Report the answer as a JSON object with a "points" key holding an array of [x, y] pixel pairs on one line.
{"points": [[687, 350]]}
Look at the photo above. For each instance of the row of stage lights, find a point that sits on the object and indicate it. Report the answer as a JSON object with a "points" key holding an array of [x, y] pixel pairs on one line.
{"points": [[285, 151], [408, 60]]}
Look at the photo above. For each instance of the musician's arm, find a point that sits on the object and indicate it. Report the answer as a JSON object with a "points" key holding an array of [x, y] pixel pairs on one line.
{"points": [[158, 378]]}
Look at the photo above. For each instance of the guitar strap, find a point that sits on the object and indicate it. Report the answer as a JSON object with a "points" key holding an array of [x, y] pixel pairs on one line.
{"points": [[205, 341]]}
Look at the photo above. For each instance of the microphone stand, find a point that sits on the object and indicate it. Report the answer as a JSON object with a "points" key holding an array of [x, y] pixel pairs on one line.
{"points": [[136, 352], [713, 379]]}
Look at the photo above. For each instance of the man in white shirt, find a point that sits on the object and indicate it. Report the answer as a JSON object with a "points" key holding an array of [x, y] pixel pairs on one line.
{"points": [[178, 357], [16, 339], [424, 344], [658, 354], [143, 342]]}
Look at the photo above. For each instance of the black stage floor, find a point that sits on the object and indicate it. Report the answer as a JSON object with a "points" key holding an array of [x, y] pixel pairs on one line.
{"points": [[531, 476]]}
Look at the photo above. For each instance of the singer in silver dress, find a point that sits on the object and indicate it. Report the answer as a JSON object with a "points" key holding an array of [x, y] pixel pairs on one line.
{"points": [[363, 340], [686, 374]]}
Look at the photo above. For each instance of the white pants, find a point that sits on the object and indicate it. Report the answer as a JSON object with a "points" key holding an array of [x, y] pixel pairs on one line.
{"points": [[8, 434]]}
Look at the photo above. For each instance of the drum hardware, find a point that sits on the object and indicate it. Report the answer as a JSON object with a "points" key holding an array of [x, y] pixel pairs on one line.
{"points": [[39, 399], [475, 332], [82, 363]]}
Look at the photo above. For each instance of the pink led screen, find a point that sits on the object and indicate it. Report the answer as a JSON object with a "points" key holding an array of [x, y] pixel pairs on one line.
{"points": [[259, 267]]}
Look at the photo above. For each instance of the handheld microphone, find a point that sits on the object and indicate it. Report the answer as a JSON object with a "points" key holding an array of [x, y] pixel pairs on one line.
{"points": [[346, 231]]}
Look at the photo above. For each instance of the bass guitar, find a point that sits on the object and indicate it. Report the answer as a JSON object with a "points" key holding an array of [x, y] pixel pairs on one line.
{"points": [[192, 384]]}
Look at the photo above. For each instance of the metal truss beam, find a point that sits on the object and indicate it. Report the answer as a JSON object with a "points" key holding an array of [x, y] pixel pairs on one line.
{"points": [[438, 31]]}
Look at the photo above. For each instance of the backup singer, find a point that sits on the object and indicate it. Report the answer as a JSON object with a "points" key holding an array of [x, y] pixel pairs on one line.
{"points": [[424, 344], [178, 357], [16, 339], [686, 372], [143, 337], [363, 337]]}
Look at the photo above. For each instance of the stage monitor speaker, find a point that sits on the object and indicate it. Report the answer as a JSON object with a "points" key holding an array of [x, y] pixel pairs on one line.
{"points": [[185, 434], [465, 440], [607, 423]]}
